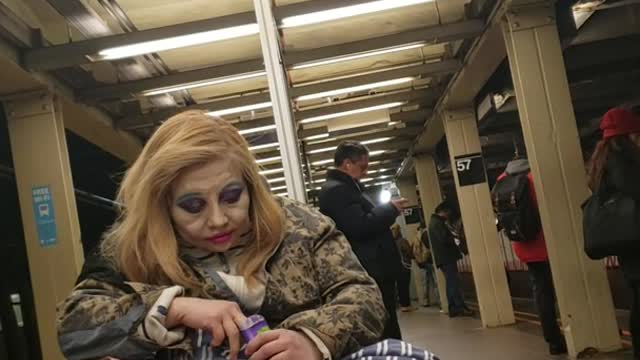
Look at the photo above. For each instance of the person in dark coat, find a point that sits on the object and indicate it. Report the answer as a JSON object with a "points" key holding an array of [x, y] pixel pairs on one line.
{"points": [[615, 166], [430, 284], [533, 252], [403, 283], [447, 254], [366, 226]]}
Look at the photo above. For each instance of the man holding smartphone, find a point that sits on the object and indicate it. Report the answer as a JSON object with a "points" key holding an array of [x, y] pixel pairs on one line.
{"points": [[366, 226]]}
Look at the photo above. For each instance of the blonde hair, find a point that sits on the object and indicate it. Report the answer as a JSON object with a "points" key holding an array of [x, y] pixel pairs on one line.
{"points": [[142, 243], [395, 230]]}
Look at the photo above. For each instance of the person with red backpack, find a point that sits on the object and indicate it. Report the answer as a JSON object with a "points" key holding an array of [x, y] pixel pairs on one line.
{"points": [[516, 206]]}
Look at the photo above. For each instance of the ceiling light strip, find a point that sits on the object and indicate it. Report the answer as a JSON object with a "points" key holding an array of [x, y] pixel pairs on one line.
{"points": [[346, 12], [176, 42], [351, 112]]}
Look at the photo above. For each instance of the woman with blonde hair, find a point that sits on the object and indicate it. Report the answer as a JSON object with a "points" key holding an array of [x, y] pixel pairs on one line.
{"points": [[403, 282], [200, 244]]}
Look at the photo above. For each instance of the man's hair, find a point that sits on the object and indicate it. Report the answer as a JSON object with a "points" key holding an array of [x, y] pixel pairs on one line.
{"points": [[444, 207], [350, 150]]}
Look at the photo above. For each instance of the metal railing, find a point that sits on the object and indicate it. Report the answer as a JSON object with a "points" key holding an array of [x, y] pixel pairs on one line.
{"points": [[511, 261]]}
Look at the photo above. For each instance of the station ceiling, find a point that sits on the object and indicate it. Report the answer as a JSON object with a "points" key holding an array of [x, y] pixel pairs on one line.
{"points": [[374, 77]]}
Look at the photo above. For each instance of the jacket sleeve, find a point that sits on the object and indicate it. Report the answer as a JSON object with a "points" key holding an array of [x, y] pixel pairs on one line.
{"points": [[352, 313], [623, 174], [107, 316], [357, 224]]}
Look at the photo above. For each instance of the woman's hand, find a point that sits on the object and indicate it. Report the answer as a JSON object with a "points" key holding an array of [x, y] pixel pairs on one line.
{"points": [[221, 318], [282, 345]]}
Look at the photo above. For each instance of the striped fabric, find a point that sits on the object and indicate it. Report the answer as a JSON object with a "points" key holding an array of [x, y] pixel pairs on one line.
{"points": [[385, 350], [391, 350]]}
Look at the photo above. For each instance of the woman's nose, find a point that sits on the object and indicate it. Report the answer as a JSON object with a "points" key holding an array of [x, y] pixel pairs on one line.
{"points": [[217, 217]]}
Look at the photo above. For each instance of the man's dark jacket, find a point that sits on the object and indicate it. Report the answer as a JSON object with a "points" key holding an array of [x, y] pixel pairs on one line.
{"points": [[443, 245], [366, 226]]}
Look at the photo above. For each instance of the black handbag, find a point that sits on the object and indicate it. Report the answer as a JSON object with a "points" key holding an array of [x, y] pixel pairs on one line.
{"points": [[611, 225]]}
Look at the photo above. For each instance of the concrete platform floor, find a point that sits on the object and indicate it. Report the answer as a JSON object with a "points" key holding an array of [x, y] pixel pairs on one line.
{"points": [[464, 338]]}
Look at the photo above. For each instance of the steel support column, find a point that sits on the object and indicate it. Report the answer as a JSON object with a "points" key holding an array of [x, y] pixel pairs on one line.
{"points": [[279, 92]]}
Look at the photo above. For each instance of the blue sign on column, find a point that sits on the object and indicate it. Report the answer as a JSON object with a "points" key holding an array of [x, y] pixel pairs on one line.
{"points": [[44, 215]]}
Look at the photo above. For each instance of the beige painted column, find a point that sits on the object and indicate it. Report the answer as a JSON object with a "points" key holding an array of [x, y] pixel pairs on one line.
{"points": [[430, 197], [47, 205], [552, 141], [479, 222]]}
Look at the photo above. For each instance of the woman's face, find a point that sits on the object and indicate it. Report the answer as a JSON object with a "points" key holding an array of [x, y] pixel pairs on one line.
{"points": [[210, 206]]}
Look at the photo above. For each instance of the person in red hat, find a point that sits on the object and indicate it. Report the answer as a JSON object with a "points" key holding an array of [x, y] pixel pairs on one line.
{"points": [[615, 165]]}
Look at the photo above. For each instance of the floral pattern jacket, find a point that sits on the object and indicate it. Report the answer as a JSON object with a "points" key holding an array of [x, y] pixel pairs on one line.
{"points": [[314, 283]]}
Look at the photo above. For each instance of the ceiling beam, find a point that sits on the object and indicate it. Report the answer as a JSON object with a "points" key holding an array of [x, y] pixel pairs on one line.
{"points": [[424, 95], [390, 145], [383, 158], [387, 165], [311, 6], [428, 70], [129, 89], [154, 117], [250, 124], [78, 52], [432, 35], [404, 132], [409, 118]]}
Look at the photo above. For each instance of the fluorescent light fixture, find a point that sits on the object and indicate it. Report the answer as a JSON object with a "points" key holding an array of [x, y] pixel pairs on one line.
{"points": [[378, 171], [376, 141], [346, 11], [257, 130], [393, 123], [284, 187], [385, 196], [317, 151], [280, 179], [352, 89], [316, 137], [268, 160], [263, 146], [204, 83], [351, 112], [271, 172], [176, 42], [283, 194], [366, 180], [356, 56], [372, 153], [368, 142], [382, 183], [240, 109], [322, 162]]}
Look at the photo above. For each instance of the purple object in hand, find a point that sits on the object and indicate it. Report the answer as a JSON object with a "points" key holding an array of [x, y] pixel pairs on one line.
{"points": [[254, 325]]}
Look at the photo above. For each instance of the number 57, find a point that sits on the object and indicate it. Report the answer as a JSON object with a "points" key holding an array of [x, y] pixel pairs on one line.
{"points": [[464, 165]]}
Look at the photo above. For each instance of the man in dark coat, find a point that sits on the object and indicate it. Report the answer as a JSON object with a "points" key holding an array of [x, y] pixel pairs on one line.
{"points": [[446, 254], [366, 226]]}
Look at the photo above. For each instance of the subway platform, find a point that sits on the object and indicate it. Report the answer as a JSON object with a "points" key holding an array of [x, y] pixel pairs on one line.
{"points": [[464, 338]]}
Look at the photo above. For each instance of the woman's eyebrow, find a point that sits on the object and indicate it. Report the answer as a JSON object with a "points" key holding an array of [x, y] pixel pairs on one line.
{"points": [[233, 184], [187, 196]]}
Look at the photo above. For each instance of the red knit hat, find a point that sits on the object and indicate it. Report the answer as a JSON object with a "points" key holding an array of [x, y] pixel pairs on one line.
{"points": [[619, 121]]}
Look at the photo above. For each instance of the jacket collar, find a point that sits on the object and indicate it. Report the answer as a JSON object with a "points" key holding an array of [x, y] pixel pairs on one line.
{"points": [[343, 177]]}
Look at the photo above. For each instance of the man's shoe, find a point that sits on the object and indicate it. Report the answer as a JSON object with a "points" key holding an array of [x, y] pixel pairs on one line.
{"points": [[558, 349], [467, 312], [408, 308]]}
